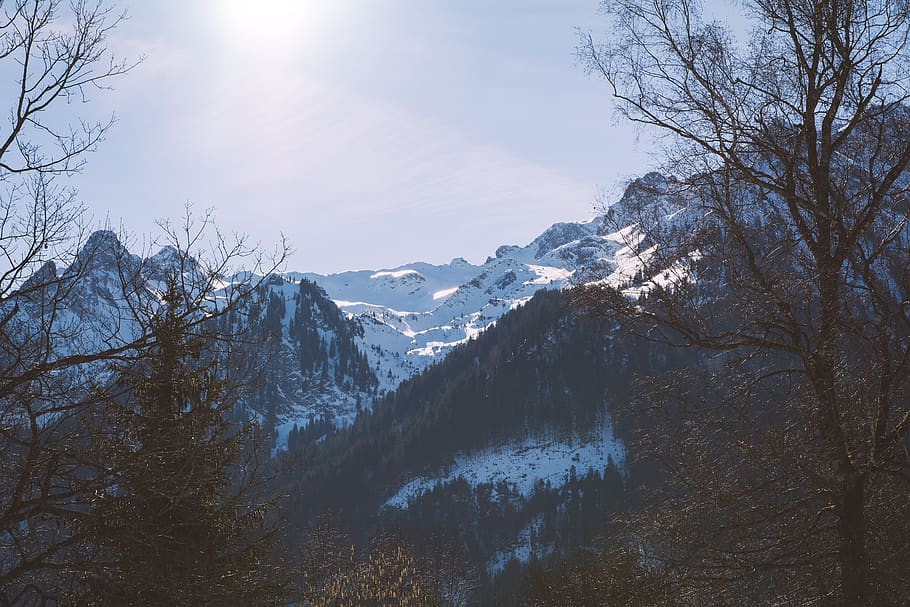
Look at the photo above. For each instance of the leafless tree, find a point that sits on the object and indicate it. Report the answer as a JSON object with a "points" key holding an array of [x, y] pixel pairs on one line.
{"points": [[789, 273], [606, 577], [390, 573], [56, 344], [50, 53], [64, 347]]}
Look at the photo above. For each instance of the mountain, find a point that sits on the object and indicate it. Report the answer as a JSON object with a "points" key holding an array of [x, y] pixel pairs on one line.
{"points": [[413, 315], [511, 440], [458, 399], [316, 376], [512, 447], [335, 343], [312, 369]]}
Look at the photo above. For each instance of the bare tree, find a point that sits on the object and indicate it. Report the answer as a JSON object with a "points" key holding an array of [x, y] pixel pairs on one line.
{"points": [[389, 573], [51, 53], [65, 346], [791, 265], [56, 346], [606, 577]]}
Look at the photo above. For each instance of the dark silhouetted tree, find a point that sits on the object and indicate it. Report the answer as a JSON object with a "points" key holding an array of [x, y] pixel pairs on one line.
{"points": [[179, 523], [787, 270]]}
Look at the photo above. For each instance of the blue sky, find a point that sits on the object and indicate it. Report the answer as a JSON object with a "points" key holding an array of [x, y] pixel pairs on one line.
{"points": [[370, 132]]}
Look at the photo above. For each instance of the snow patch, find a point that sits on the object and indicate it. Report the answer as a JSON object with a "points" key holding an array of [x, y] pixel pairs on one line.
{"points": [[393, 273], [442, 294], [547, 275], [520, 550], [522, 464]]}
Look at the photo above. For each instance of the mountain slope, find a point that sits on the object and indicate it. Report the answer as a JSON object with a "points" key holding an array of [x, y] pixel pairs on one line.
{"points": [[312, 371], [510, 446], [324, 365], [414, 314]]}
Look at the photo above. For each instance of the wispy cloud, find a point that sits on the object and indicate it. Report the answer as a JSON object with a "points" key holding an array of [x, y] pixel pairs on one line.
{"points": [[320, 156], [404, 133]]}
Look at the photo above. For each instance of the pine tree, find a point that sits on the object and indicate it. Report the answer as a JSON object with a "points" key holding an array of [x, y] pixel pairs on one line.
{"points": [[177, 527]]}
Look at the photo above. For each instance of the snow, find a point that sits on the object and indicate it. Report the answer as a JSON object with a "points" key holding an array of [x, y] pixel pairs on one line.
{"points": [[520, 550], [523, 463], [412, 315], [358, 307], [520, 302], [416, 313], [443, 293], [394, 273], [433, 348], [547, 275]]}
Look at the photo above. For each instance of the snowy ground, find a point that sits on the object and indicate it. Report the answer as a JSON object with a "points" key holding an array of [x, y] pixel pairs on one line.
{"points": [[523, 463], [521, 550]]}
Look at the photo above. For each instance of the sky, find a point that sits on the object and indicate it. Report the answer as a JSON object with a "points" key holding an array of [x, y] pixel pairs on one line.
{"points": [[371, 133]]}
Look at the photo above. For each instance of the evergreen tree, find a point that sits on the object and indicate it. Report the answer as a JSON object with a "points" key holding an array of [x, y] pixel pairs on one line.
{"points": [[178, 526]]}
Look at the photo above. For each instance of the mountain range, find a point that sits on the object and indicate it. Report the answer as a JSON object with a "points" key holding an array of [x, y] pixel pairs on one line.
{"points": [[411, 316], [393, 395]]}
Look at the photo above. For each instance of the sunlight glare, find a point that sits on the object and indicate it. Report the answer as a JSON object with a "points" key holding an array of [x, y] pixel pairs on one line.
{"points": [[271, 25]]}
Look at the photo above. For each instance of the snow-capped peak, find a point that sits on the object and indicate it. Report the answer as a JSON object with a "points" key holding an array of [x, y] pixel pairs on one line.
{"points": [[413, 314]]}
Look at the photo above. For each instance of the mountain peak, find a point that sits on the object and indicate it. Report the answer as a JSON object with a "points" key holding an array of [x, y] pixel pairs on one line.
{"points": [[652, 183], [503, 251], [104, 239], [560, 234], [167, 254], [102, 249], [652, 195]]}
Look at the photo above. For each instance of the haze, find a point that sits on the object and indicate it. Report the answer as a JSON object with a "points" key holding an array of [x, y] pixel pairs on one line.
{"points": [[370, 133]]}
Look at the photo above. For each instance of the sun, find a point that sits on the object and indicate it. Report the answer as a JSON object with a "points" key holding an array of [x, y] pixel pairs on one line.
{"points": [[271, 25]]}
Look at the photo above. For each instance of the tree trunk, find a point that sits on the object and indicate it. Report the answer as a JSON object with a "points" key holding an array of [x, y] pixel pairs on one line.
{"points": [[852, 554]]}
